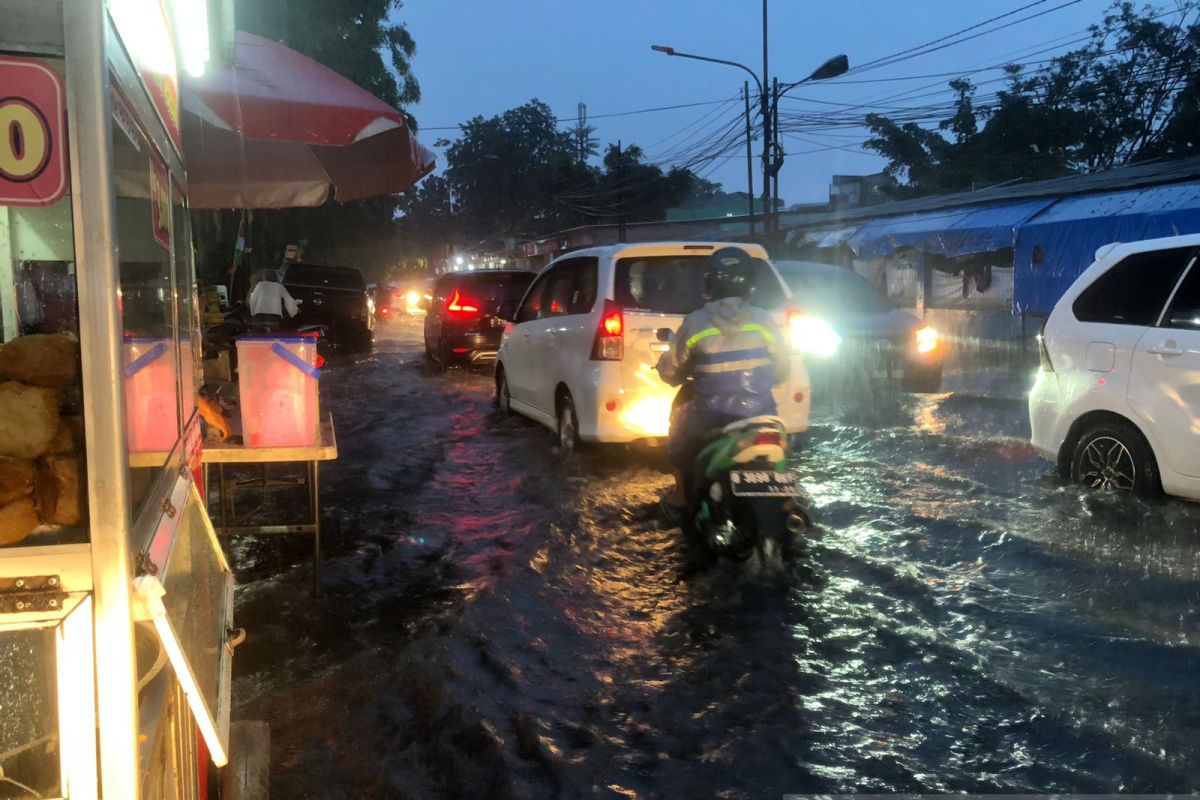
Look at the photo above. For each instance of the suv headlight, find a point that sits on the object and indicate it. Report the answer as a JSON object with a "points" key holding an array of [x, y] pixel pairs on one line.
{"points": [[813, 335], [928, 339]]}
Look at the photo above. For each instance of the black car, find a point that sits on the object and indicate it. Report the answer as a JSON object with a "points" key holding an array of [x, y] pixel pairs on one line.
{"points": [[866, 325], [464, 323], [335, 297]]}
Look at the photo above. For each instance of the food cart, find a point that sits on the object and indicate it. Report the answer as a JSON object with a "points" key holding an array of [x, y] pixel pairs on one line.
{"points": [[116, 629]]}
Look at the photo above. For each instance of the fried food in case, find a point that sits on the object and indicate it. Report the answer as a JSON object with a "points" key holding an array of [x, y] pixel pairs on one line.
{"points": [[17, 520], [42, 359], [28, 419]]}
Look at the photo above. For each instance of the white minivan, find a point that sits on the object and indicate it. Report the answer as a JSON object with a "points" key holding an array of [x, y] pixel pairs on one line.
{"points": [[578, 355], [1117, 399]]}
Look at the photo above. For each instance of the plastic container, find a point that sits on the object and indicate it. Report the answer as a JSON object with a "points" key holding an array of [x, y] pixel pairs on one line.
{"points": [[277, 387], [151, 403]]}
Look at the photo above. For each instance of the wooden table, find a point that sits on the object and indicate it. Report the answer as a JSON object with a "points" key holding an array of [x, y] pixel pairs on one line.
{"points": [[312, 455]]}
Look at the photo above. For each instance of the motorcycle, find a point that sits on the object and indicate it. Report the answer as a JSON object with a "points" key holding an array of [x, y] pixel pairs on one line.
{"points": [[743, 503]]}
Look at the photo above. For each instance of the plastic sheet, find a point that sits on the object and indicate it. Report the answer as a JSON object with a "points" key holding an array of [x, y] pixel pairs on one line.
{"points": [[1066, 235]]}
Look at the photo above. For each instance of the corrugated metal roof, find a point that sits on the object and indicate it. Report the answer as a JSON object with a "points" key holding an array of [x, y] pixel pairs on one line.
{"points": [[1147, 174]]}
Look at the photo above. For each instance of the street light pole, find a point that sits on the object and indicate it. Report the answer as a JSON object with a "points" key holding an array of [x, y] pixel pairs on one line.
{"points": [[772, 154], [766, 122]]}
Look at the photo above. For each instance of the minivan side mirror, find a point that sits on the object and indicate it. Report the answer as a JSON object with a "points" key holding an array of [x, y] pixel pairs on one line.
{"points": [[507, 311]]}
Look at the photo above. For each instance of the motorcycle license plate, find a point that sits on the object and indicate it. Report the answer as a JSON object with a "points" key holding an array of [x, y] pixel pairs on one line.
{"points": [[762, 484]]}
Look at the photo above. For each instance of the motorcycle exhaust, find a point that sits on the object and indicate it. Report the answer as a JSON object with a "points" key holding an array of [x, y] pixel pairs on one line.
{"points": [[796, 524]]}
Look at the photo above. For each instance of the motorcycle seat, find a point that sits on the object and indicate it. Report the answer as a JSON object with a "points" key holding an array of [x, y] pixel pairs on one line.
{"points": [[753, 422]]}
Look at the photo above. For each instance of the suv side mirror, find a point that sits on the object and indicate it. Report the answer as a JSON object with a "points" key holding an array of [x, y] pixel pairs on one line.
{"points": [[1183, 318], [507, 311]]}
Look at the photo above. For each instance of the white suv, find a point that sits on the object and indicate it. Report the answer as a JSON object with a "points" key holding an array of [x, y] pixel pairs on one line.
{"points": [[579, 353], [1117, 399]]}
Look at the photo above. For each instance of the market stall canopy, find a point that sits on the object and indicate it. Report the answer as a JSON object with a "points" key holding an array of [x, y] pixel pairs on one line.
{"points": [[279, 130], [949, 232]]}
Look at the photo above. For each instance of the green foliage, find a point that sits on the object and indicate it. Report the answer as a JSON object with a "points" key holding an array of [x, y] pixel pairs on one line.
{"points": [[348, 36], [1131, 93]]}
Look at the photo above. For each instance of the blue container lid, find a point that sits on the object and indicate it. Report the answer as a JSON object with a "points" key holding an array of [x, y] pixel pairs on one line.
{"points": [[269, 337]]}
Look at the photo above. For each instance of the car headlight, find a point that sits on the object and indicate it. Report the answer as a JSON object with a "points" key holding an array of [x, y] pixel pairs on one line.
{"points": [[928, 339], [813, 335]]}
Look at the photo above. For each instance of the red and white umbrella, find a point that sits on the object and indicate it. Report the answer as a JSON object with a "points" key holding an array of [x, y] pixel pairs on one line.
{"points": [[279, 130]]}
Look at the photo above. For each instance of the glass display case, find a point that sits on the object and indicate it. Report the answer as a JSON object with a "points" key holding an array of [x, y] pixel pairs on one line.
{"points": [[115, 598]]}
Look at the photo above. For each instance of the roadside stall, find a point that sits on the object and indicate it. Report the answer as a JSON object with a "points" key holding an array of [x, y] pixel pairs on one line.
{"points": [[116, 629], [116, 601], [275, 129]]}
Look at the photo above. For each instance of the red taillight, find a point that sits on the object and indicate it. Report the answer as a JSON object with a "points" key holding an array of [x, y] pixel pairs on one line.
{"points": [[459, 306], [384, 311], [610, 334], [768, 439]]}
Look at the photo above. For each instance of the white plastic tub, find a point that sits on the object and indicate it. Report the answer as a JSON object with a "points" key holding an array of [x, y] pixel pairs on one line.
{"points": [[277, 387]]}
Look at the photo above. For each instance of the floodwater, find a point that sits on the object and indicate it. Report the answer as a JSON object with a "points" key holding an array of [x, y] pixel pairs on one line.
{"points": [[496, 622]]}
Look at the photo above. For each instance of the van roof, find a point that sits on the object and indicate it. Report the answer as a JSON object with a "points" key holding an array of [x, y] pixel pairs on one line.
{"points": [[668, 248]]}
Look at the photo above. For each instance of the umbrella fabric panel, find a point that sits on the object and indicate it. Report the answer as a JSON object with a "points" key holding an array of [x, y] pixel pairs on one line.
{"points": [[226, 171], [274, 92], [383, 164]]}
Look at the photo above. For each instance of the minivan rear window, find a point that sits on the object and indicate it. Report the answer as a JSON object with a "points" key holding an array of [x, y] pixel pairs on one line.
{"points": [[489, 292], [1133, 291], [675, 284]]}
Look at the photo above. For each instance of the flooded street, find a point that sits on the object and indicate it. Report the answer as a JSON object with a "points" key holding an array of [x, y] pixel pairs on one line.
{"points": [[499, 623]]}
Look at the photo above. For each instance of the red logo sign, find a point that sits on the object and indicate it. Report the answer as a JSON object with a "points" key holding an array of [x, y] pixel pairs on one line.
{"points": [[160, 201], [33, 142]]}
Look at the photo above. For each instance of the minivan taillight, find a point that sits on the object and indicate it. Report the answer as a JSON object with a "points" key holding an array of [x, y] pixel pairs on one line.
{"points": [[460, 307], [610, 334], [1044, 354]]}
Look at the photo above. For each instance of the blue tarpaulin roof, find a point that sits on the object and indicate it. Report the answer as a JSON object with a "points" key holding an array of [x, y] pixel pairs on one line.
{"points": [[1070, 231], [952, 232]]}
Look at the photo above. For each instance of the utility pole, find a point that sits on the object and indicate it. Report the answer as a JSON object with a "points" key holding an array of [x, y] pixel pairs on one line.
{"points": [[765, 103], [777, 156], [749, 156], [581, 132], [620, 193]]}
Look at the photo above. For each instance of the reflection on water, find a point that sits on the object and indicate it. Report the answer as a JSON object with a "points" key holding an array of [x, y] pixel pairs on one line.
{"points": [[964, 622]]}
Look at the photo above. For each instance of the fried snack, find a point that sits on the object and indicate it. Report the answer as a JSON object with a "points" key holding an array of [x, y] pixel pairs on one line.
{"points": [[28, 419], [42, 359], [59, 491], [17, 520], [69, 438], [16, 479]]}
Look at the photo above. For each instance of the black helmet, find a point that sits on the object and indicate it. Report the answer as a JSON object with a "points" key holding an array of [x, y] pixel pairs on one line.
{"points": [[730, 274]]}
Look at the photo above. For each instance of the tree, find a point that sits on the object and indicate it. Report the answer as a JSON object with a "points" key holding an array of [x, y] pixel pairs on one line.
{"points": [[1132, 92], [504, 173]]}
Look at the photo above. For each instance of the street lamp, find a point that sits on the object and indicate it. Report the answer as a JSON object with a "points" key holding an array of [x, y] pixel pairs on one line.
{"points": [[830, 69], [772, 158], [765, 110]]}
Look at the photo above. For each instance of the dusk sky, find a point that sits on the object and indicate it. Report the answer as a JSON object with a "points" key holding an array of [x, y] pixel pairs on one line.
{"points": [[482, 57]]}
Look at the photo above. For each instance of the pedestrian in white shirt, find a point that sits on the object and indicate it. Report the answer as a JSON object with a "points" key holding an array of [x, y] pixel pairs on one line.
{"points": [[270, 299]]}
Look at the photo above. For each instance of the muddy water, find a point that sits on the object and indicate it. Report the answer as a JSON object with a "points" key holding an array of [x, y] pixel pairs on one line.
{"points": [[499, 623]]}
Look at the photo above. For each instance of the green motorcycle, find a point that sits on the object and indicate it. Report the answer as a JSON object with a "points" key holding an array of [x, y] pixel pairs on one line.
{"points": [[743, 503]]}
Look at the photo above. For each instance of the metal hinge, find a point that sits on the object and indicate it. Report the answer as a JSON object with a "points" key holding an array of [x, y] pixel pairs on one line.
{"points": [[33, 593]]}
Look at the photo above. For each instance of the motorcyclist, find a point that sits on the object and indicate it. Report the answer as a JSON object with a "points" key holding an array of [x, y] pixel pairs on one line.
{"points": [[733, 352]]}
